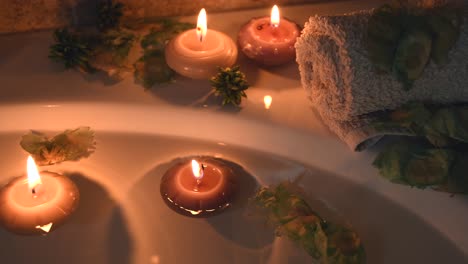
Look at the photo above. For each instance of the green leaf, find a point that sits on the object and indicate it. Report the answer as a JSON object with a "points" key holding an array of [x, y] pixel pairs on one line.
{"points": [[458, 178], [158, 36], [344, 245], [428, 167], [109, 14], [445, 36], [402, 40], [71, 50], [119, 43], [439, 162], [391, 161], [383, 33], [70, 145], [412, 55], [413, 117], [408, 162], [152, 69], [33, 142], [451, 122], [294, 218]]}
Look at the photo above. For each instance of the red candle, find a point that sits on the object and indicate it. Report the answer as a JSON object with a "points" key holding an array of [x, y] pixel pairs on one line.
{"points": [[269, 40], [199, 189]]}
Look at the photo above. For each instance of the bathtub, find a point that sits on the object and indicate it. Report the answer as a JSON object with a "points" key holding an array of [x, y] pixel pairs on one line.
{"points": [[122, 218]]}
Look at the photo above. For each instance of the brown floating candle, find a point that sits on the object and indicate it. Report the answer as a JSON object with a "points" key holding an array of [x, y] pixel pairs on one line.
{"points": [[199, 188]]}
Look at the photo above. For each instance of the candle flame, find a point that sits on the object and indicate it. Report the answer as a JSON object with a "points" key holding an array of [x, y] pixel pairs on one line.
{"points": [[197, 170], [275, 16], [201, 25], [267, 101], [34, 179]]}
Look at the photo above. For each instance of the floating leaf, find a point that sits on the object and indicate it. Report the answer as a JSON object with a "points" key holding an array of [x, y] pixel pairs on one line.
{"points": [[344, 245], [307, 231], [70, 145], [293, 218], [152, 69]]}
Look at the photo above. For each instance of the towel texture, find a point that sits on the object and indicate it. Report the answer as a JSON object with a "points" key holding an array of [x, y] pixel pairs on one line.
{"points": [[344, 87]]}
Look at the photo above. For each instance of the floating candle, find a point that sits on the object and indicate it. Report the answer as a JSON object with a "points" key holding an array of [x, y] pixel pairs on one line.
{"points": [[198, 52], [37, 204], [199, 189], [269, 40]]}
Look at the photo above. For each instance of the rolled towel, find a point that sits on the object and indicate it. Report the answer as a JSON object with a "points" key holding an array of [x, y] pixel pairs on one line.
{"points": [[344, 87]]}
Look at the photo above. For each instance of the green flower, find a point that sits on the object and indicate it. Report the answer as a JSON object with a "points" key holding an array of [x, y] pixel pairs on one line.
{"points": [[230, 84]]}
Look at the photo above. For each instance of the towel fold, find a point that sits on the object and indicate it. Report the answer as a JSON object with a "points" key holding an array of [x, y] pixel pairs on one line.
{"points": [[342, 84]]}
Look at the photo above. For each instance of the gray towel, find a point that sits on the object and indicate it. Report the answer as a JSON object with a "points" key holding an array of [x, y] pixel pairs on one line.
{"points": [[343, 86]]}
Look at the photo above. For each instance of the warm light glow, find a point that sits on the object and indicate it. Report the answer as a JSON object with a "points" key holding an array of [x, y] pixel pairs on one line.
{"points": [[45, 228], [275, 16], [33, 174], [201, 25], [197, 170], [267, 101]]}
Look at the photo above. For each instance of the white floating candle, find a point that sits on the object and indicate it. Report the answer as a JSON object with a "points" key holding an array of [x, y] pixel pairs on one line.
{"points": [[197, 53], [37, 204]]}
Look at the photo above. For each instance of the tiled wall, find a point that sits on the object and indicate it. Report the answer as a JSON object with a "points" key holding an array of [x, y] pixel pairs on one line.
{"points": [[25, 15]]}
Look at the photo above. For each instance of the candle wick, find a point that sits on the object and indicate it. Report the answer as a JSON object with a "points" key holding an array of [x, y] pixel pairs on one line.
{"points": [[35, 190], [201, 35], [196, 186]]}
